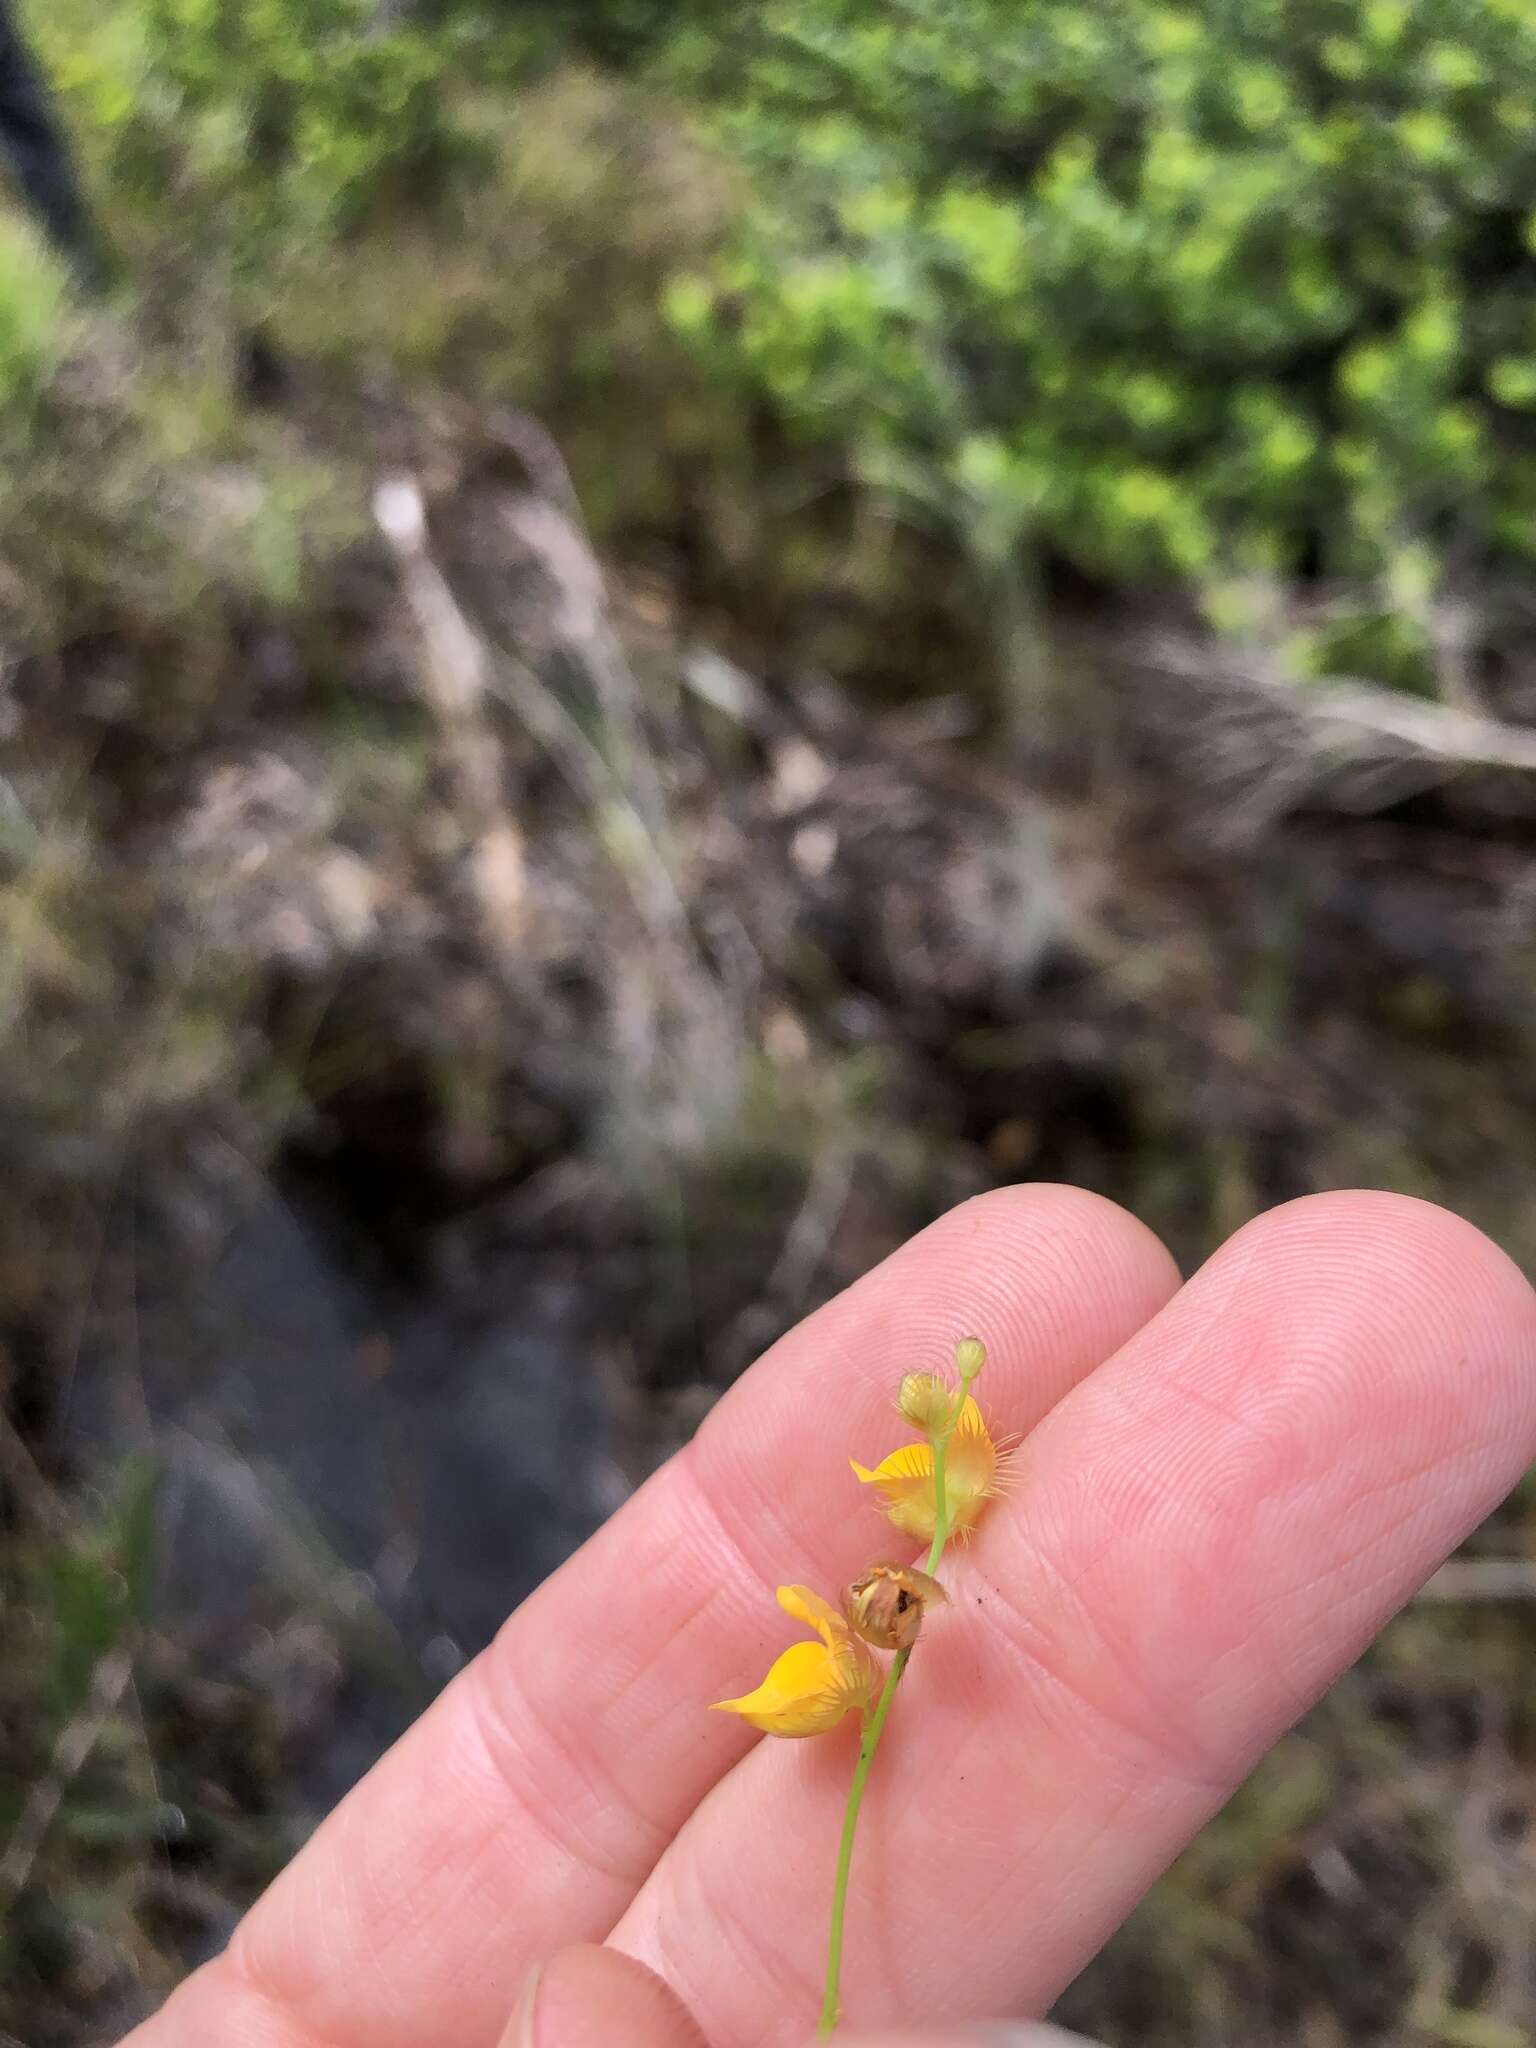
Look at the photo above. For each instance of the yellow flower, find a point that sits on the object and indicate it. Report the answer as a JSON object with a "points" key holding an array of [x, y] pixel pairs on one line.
{"points": [[971, 1469], [813, 1685]]}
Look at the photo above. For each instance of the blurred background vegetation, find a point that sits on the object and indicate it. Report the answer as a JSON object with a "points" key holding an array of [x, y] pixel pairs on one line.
{"points": [[635, 650]]}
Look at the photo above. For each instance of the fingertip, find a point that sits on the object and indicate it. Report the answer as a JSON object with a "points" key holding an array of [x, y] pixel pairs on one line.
{"points": [[588, 1996], [1380, 1220], [1041, 1272], [1052, 1279], [1462, 1313], [1342, 1392], [1123, 1255], [977, 2034], [519, 2029]]}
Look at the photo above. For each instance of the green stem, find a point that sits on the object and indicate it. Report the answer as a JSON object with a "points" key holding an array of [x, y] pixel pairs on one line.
{"points": [[829, 2003], [872, 1732]]}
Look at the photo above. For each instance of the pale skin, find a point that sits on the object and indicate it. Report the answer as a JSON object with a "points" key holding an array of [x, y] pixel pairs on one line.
{"points": [[1225, 1490]]}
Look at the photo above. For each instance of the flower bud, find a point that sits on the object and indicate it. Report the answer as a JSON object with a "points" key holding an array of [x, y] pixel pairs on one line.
{"points": [[930, 1404], [970, 1357], [886, 1605]]}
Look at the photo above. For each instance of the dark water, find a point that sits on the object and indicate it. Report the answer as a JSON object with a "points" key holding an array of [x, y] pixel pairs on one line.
{"points": [[359, 1478]]}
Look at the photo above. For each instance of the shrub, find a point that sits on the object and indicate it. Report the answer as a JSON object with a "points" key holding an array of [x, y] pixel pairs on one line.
{"points": [[1200, 291], [33, 304], [255, 127]]}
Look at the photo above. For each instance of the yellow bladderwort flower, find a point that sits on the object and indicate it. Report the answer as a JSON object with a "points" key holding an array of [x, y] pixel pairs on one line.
{"points": [[971, 1474], [946, 1416], [934, 1490], [812, 1686]]}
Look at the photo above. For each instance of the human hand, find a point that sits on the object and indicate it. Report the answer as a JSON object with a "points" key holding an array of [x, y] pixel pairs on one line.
{"points": [[1225, 1490]]}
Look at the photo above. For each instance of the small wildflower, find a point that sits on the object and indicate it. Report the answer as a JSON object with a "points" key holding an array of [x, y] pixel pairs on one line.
{"points": [[887, 1604], [970, 1357], [971, 1470], [812, 1685], [930, 1404]]}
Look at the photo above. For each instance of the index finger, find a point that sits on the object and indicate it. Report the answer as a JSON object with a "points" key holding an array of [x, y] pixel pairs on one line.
{"points": [[1207, 1531], [526, 1809]]}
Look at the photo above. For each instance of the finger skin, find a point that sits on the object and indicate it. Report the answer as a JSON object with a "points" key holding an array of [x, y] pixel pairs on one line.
{"points": [[594, 1997], [527, 1807], [972, 2034], [590, 1997], [1202, 1535]]}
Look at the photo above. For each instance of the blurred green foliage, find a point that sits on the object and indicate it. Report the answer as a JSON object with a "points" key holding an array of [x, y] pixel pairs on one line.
{"points": [[264, 124], [1227, 296], [91, 1592], [1207, 292], [70, 1603], [32, 315]]}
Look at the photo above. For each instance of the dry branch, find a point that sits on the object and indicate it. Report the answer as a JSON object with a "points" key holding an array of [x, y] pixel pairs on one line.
{"points": [[1262, 743]]}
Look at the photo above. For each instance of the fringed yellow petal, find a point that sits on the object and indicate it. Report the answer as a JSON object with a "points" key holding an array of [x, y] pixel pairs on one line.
{"points": [[972, 1422], [973, 1471], [812, 1685], [805, 1693], [905, 1478], [815, 1612], [912, 1461]]}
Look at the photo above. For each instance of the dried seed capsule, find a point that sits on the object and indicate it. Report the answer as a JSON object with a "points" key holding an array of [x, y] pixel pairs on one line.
{"points": [[886, 1605]]}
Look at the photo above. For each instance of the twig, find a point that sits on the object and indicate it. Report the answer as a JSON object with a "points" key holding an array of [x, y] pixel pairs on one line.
{"points": [[70, 1753], [28, 1481], [804, 1247], [1483, 1578], [582, 763], [1274, 742]]}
